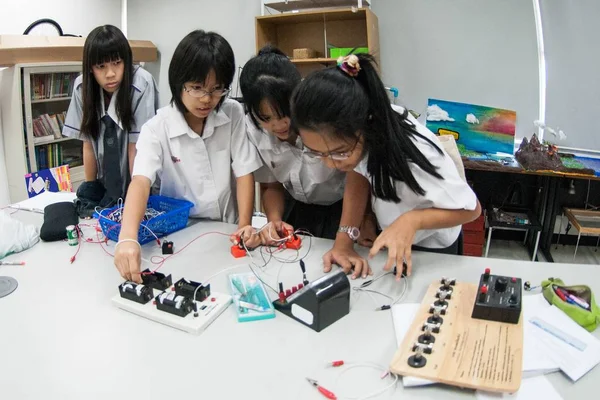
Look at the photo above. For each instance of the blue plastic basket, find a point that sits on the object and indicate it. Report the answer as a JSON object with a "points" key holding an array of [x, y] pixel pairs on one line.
{"points": [[176, 213]]}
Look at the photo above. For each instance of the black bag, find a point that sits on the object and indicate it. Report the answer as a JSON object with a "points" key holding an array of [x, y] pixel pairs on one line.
{"points": [[56, 219]]}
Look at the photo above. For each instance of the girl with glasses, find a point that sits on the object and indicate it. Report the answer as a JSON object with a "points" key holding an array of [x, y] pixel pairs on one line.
{"points": [[111, 101], [297, 190], [197, 146], [344, 117]]}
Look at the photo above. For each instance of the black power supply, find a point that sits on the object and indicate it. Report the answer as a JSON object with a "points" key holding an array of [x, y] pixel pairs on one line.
{"points": [[499, 298]]}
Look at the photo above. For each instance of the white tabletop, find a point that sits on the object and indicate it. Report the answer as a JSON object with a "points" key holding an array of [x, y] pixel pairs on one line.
{"points": [[61, 338]]}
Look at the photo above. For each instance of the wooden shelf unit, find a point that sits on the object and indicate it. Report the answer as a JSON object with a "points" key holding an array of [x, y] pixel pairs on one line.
{"points": [[20, 49], [18, 113], [292, 5], [318, 30]]}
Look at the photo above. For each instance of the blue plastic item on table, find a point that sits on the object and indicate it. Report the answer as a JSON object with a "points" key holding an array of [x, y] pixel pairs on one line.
{"points": [[175, 217]]}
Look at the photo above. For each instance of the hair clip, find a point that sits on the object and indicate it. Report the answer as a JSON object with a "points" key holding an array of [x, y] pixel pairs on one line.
{"points": [[349, 64]]}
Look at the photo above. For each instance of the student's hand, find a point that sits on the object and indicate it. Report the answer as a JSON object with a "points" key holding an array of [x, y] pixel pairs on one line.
{"points": [[274, 231], [368, 231], [347, 258], [248, 235], [398, 238], [128, 259]]}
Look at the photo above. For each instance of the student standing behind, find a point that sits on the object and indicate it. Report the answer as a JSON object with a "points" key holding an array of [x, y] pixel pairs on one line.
{"points": [[111, 101], [192, 145], [345, 118], [314, 192]]}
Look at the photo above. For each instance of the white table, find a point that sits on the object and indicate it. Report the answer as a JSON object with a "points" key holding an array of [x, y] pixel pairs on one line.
{"points": [[61, 338]]}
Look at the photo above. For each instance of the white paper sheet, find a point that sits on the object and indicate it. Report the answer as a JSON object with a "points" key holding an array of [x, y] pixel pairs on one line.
{"points": [[573, 361], [538, 387], [39, 202]]}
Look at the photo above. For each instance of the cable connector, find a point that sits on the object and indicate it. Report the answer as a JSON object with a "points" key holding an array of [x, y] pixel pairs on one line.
{"points": [[337, 363], [383, 308], [303, 268]]}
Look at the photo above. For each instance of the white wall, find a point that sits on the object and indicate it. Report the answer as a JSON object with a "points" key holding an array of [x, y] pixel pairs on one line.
{"points": [[472, 51], [571, 34], [165, 23], [77, 17]]}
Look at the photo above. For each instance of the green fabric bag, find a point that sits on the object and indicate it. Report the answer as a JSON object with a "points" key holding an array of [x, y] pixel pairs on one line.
{"points": [[588, 319]]}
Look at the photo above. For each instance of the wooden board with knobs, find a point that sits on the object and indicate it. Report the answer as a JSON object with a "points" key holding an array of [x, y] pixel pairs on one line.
{"points": [[466, 352]]}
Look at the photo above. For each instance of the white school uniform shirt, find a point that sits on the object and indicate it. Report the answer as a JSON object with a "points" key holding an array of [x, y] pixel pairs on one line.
{"points": [[198, 168], [306, 179], [144, 103], [450, 193]]}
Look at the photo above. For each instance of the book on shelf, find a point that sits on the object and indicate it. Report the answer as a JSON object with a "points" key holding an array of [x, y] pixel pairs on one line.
{"points": [[54, 155], [48, 127], [53, 85]]}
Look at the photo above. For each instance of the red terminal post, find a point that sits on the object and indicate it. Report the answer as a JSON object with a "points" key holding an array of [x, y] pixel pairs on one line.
{"points": [[281, 293], [486, 274], [294, 289], [300, 286], [482, 292], [293, 242], [238, 250], [288, 292]]}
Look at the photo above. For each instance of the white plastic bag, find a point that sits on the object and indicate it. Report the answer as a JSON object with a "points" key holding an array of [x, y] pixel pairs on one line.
{"points": [[15, 236]]}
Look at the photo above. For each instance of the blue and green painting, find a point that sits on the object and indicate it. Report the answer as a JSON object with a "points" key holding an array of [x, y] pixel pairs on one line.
{"points": [[476, 128]]}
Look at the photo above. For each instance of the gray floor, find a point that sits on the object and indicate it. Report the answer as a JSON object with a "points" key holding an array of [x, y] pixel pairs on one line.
{"points": [[512, 250]]}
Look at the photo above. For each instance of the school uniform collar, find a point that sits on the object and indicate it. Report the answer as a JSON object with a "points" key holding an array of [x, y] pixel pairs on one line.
{"points": [[180, 126], [112, 108], [281, 145]]}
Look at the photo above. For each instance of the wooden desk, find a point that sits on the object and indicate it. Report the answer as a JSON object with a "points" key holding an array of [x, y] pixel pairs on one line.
{"points": [[549, 201], [585, 221]]}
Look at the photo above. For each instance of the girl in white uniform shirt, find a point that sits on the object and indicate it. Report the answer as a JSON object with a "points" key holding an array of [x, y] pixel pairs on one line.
{"points": [[294, 188], [111, 101], [193, 145], [344, 118]]}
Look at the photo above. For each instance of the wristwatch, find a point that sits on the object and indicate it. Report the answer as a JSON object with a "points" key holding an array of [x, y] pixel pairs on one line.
{"points": [[352, 231]]}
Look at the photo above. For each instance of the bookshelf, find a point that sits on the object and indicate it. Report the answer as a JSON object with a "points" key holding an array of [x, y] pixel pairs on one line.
{"points": [[319, 30], [35, 99]]}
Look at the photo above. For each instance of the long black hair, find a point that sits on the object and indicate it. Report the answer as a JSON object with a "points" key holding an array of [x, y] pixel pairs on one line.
{"points": [[269, 76], [333, 102], [105, 44], [196, 55]]}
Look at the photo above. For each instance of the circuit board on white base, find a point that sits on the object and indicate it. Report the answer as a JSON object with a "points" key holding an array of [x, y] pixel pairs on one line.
{"points": [[172, 306]]}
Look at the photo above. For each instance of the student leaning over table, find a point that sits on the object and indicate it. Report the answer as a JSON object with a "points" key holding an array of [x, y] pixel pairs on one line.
{"points": [[344, 118], [194, 145]]}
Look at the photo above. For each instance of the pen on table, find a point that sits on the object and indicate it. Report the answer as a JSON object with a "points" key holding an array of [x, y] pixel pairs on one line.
{"points": [[12, 262], [579, 301], [321, 389]]}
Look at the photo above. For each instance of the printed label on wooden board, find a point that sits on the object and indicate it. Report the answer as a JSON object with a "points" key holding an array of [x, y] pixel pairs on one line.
{"points": [[467, 352]]}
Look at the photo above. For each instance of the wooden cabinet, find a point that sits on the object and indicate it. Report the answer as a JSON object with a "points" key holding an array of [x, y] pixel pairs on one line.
{"points": [[474, 237], [319, 30]]}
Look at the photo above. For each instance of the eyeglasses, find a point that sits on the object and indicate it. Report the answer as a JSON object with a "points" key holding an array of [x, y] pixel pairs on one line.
{"points": [[198, 92], [334, 155]]}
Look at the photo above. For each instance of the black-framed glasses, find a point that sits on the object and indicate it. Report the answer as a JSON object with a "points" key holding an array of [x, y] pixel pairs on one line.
{"points": [[198, 92], [334, 155]]}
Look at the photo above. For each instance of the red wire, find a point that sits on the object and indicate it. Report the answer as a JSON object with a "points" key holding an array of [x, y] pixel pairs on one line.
{"points": [[162, 259]]}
